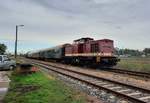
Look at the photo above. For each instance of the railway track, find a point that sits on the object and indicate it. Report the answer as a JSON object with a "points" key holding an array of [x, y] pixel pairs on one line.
{"points": [[130, 92], [129, 72]]}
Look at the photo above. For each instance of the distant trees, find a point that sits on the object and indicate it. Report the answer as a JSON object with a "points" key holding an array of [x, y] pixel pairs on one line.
{"points": [[128, 52], [3, 48], [146, 51], [132, 52]]}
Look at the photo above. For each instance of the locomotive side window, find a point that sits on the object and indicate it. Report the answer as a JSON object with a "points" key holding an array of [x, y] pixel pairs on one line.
{"points": [[107, 47], [94, 48]]}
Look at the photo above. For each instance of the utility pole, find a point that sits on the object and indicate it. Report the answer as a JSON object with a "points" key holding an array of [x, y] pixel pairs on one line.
{"points": [[16, 41]]}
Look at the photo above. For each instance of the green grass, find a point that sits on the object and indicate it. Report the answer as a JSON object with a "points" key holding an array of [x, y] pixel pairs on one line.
{"points": [[137, 64], [46, 90]]}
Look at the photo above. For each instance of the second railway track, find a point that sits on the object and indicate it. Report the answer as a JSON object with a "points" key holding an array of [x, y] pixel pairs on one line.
{"points": [[130, 92], [129, 72]]}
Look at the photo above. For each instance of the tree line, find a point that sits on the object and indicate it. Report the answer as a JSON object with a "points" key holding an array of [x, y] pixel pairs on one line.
{"points": [[132, 52]]}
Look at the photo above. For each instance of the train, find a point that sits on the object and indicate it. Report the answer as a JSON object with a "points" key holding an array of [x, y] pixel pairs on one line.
{"points": [[83, 51]]}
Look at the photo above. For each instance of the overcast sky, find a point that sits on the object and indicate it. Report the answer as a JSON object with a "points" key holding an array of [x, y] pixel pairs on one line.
{"points": [[52, 22]]}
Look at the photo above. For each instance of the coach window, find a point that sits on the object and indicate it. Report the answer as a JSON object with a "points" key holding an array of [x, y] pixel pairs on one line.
{"points": [[0, 58]]}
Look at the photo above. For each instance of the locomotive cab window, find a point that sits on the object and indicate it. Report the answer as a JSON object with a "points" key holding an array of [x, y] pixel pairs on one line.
{"points": [[80, 50], [94, 48]]}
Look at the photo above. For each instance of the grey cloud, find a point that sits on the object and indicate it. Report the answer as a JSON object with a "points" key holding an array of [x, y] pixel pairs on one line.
{"points": [[60, 21], [115, 11]]}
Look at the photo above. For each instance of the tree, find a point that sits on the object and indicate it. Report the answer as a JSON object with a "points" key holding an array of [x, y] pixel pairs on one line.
{"points": [[146, 51], [3, 48]]}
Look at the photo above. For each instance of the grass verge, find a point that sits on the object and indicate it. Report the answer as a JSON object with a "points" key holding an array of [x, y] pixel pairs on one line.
{"points": [[39, 88], [136, 64]]}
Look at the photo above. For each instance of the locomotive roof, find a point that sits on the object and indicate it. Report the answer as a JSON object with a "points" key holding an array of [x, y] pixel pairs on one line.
{"points": [[106, 40], [89, 39], [83, 39]]}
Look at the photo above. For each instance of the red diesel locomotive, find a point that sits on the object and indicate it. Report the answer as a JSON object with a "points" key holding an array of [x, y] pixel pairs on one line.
{"points": [[83, 51], [90, 51]]}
